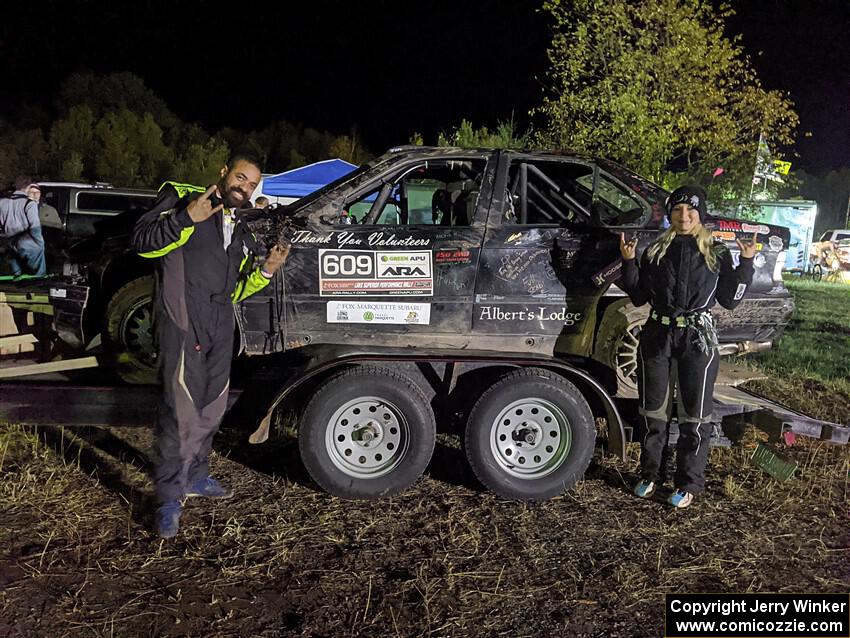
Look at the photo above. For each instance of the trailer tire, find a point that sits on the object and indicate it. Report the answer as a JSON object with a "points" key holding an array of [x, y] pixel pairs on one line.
{"points": [[530, 435], [367, 432], [129, 324]]}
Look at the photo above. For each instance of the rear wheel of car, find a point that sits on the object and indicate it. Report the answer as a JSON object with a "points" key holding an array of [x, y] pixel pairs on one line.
{"points": [[530, 436], [617, 344], [129, 331], [367, 432]]}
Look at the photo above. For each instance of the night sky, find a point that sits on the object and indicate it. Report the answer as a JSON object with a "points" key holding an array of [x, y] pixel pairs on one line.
{"points": [[386, 68]]}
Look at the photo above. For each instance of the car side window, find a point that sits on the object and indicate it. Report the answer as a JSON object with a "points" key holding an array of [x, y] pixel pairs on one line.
{"points": [[430, 193], [614, 204], [547, 192], [111, 202]]}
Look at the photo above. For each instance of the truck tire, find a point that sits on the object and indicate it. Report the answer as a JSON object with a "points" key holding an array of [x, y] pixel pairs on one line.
{"points": [[530, 436], [367, 432], [129, 331], [617, 343]]}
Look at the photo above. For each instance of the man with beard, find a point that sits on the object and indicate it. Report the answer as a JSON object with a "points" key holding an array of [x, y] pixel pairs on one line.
{"points": [[206, 263]]}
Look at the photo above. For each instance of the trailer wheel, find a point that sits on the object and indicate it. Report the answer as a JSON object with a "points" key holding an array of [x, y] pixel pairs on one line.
{"points": [[367, 432], [530, 436], [617, 344], [129, 324]]}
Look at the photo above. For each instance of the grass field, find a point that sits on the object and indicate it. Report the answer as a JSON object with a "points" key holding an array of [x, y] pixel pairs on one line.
{"points": [[444, 559], [810, 366]]}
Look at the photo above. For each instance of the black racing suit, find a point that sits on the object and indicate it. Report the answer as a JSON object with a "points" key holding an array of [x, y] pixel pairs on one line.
{"points": [[678, 346], [203, 269]]}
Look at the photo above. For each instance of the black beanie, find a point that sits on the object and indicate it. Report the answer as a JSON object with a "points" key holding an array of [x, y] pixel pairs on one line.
{"points": [[693, 195]]}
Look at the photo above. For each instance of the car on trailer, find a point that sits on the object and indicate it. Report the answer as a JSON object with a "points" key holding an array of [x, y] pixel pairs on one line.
{"points": [[433, 282], [480, 282]]}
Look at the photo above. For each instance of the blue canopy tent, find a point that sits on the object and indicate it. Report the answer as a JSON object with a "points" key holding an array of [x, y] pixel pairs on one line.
{"points": [[304, 180]]}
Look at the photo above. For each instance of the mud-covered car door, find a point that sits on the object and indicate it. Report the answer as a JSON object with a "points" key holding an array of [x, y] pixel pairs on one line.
{"points": [[395, 256], [547, 256], [543, 256]]}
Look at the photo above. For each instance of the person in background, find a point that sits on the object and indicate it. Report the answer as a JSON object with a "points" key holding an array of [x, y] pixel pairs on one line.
{"points": [[20, 229], [47, 214], [261, 202], [682, 274]]}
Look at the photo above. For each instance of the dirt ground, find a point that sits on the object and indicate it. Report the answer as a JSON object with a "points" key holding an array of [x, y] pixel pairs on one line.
{"points": [[77, 557]]}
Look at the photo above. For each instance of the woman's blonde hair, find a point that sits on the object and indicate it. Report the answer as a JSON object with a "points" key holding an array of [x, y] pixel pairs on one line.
{"points": [[705, 243]]}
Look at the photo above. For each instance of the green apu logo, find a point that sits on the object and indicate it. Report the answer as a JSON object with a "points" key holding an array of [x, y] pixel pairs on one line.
{"points": [[368, 315]]}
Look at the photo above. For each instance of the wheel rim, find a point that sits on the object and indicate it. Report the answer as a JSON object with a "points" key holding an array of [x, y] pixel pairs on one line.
{"points": [[626, 352], [530, 438], [136, 332], [367, 437]]}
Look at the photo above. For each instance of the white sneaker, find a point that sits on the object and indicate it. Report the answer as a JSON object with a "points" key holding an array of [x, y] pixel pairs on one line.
{"points": [[680, 499]]}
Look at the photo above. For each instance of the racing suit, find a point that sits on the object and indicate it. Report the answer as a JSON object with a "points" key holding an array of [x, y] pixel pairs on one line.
{"points": [[203, 269], [678, 346]]}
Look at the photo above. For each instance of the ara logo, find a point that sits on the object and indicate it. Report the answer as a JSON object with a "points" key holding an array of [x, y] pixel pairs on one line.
{"points": [[403, 271]]}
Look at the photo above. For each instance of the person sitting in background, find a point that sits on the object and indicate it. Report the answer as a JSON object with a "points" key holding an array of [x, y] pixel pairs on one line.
{"points": [[47, 214], [261, 202], [20, 228]]}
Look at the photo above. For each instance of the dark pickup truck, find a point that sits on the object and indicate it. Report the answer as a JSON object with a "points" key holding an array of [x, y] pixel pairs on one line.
{"points": [[432, 271]]}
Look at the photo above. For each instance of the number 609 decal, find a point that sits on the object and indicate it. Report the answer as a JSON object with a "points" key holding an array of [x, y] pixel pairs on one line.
{"points": [[338, 263]]}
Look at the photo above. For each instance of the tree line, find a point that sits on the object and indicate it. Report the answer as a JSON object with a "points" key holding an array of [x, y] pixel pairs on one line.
{"points": [[113, 128]]}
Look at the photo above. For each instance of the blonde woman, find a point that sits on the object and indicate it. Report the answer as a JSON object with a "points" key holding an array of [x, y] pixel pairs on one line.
{"points": [[682, 274]]}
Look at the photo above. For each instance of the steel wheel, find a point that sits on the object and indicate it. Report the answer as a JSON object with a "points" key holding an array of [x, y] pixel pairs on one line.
{"points": [[367, 437], [530, 435], [530, 438], [367, 432]]}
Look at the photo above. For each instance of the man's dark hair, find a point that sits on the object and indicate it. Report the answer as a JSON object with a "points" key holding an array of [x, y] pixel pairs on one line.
{"points": [[22, 181], [245, 155]]}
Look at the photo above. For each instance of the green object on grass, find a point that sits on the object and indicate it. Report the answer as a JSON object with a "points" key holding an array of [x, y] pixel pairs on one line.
{"points": [[768, 460]]}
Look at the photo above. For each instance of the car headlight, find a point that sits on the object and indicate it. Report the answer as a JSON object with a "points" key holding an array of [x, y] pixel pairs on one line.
{"points": [[780, 265]]}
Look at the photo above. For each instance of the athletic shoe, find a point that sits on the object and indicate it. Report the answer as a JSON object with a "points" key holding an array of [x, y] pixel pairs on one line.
{"points": [[168, 519], [644, 489], [208, 488], [680, 499]]}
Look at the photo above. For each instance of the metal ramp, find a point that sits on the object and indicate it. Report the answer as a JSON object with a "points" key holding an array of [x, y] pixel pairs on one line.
{"points": [[735, 409]]}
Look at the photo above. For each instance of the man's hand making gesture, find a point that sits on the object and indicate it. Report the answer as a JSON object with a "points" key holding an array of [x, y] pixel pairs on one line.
{"points": [[276, 258], [201, 209]]}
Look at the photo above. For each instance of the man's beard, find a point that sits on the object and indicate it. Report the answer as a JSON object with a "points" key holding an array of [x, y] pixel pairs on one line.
{"points": [[233, 197]]}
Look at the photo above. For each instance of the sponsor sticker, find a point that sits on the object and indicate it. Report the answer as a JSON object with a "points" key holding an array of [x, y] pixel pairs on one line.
{"points": [[539, 313], [775, 242], [378, 273], [723, 224], [59, 293], [608, 274], [367, 312], [452, 257], [724, 235], [761, 229]]}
